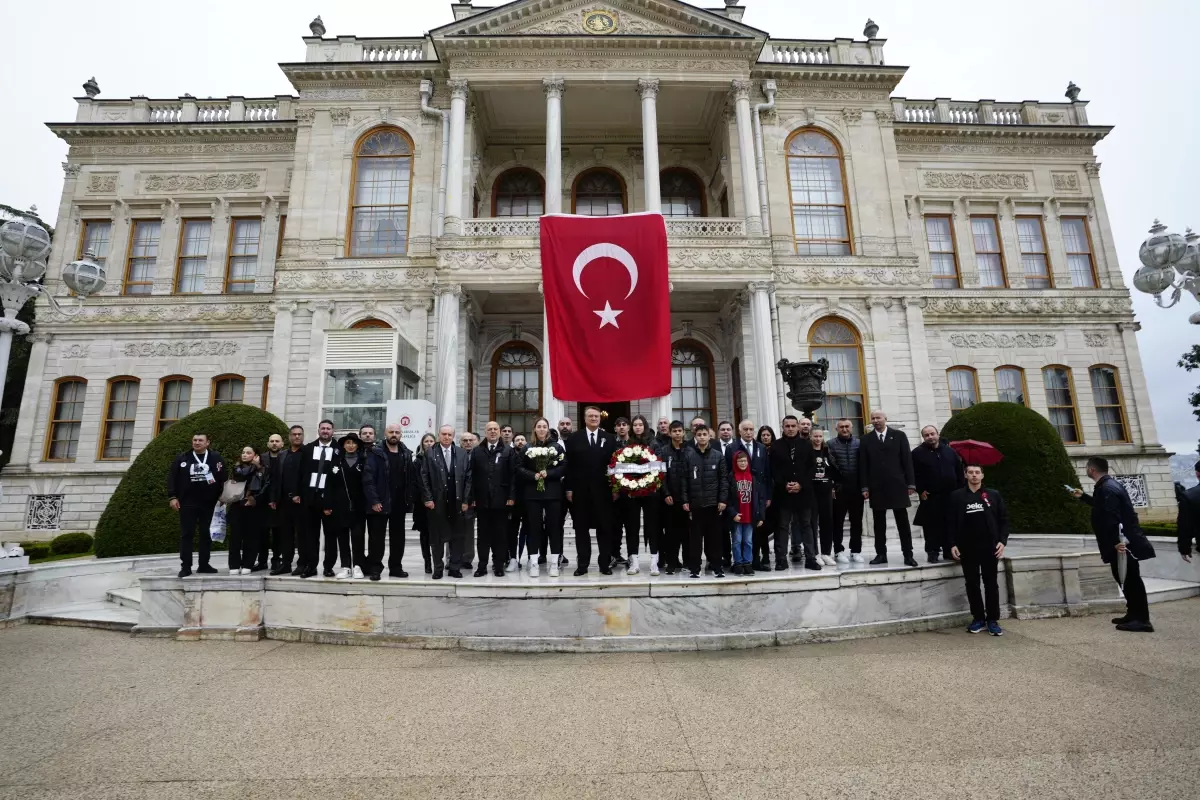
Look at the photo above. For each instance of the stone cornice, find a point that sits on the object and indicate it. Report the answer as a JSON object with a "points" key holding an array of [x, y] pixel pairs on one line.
{"points": [[885, 78], [165, 312], [77, 132], [307, 75], [933, 132], [1064, 303]]}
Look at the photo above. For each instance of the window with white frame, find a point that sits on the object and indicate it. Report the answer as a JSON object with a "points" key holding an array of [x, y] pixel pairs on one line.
{"points": [[364, 369]]}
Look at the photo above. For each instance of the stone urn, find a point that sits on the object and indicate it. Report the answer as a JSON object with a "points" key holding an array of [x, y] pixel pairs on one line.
{"points": [[805, 381]]}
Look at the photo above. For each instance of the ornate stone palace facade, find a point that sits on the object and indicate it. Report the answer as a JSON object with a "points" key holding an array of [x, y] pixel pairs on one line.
{"points": [[375, 236]]}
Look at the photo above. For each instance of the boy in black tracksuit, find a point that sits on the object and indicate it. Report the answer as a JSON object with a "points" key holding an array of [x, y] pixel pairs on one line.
{"points": [[674, 518], [977, 531], [194, 485], [705, 490]]}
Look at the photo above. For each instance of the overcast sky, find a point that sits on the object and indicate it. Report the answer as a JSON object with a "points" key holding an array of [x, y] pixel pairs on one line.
{"points": [[1132, 61]]}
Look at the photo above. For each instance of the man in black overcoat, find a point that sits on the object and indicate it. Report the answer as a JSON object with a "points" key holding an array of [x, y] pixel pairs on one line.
{"points": [[885, 472], [444, 475], [491, 488], [938, 471], [589, 492]]}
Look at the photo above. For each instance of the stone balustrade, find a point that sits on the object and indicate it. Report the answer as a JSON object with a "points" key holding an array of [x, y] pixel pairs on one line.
{"points": [[187, 109], [717, 228], [823, 51], [353, 48], [988, 112]]}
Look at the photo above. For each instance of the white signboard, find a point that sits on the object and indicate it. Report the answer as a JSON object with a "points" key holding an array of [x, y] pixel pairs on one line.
{"points": [[415, 418]]}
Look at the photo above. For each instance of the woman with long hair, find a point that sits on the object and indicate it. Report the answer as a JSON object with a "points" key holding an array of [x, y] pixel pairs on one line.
{"points": [[825, 478], [245, 517], [349, 518], [420, 513], [540, 470], [632, 509], [763, 534]]}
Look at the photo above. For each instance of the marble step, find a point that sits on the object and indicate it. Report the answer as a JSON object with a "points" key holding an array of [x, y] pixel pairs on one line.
{"points": [[100, 614], [127, 598], [1161, 590]]}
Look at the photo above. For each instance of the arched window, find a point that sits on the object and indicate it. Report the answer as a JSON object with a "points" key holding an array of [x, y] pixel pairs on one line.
{"points": [[846, 387], [682, 193], [1060, 402], [381, 193], [1010, 386], [227, 389], [964, 388], [517, 387], [174, 400], [120, 411], [66, 417], [820, 213], [1110, 409], [369, 322], [692, 391], [598, 193], [519, 192]]}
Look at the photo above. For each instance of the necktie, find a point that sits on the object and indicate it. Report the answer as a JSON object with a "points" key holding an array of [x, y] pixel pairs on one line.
{"points": [[592, 436], [881, 436]]}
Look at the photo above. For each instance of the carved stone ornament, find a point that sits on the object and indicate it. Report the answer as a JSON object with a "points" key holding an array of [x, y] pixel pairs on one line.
{"points": [[1065, 181], [340, 116], [1001, 341], [353, 279], [202, 182], [71, 170], [305, 116], [917, 146], [186, 149], [102, 184], [1095, 339], [1008, 181], [852, 116], [195, 348], [851, 276], [162, 313], [75, 350], [974, 306]]}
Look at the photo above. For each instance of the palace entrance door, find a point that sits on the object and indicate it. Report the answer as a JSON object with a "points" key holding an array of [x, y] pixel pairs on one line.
{"points": [[614, 410]]}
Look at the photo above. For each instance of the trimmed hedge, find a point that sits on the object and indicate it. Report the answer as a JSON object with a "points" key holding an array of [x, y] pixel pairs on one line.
{"points": [[71, 543], [1034, 468], [138, 520], [36, 550]]}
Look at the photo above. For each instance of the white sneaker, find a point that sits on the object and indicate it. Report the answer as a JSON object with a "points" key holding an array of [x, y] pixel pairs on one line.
{"points": [[828, 561], [856, 558], [551, 562], [512, 566], [840, 558], [634, 569], [342, 574], [358, 573], [654, 564], [246, 570], [533, 568], [234, 571]]}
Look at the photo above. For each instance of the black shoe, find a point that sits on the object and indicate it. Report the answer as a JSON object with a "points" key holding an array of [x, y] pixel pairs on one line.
{"points": [[454, 573], [812, 564], [563, 561], [797, 558], [437, 575], [467, 565], [606, 571], [541, 560], [206, 569], [298, 571], [933, 558], [1136, 626], [428, 567], [694, 575], [328, 573], [720, 573], [498, 572], [756, 563], [185, 571], [479, 573], [311, 572], [376, 576], [780, 566], [1121, 620], [763, 567], [620, 562], [581, 571], [909, 561], [258, 567], [279, 569], [397, 573], [669, 570], [879, 559]]}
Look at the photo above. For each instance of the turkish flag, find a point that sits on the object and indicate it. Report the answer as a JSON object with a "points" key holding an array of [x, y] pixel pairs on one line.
{"points": [[607, 306]]}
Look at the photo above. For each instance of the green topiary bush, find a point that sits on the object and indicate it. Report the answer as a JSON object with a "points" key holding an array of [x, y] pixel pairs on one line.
{"points": [[36, 550], [137, 520], [71, 543], [1034, 468]]}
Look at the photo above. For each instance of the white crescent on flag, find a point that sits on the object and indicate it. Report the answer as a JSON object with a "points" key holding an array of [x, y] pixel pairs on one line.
{"points": [[605, 250]]}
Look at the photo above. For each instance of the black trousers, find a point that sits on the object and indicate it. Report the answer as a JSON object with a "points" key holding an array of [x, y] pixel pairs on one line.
{"points": [[358, 542], [1137, 604], [601, 519], [389, 529], [980, 566], [675, 535], [492, 536], [764, 532], [849, 502], [879, 516], [516, 514], [543, 526], [270, 521], [337, 542], [822, 501], [242, 534], [706, 530], [194, 522], [934, 529], [631, 511], [309, 546], [808, 524], [290, 532], [447, 534], [795, 521]]}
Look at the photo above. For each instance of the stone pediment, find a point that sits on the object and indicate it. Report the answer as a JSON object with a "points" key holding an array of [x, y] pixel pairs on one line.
{"points": [[597, 18]]}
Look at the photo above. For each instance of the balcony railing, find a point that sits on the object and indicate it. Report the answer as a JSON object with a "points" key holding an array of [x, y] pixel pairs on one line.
{"points": [[187, 109], [683, 228], [823, 51], [988, 112], [351, 48]]}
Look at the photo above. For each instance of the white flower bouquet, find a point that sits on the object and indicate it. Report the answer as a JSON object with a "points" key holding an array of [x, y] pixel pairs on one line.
{"points": [[543, 459]]}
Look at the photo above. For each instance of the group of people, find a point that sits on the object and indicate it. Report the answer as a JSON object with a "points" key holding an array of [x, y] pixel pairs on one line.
{"points": [[726, 500]]}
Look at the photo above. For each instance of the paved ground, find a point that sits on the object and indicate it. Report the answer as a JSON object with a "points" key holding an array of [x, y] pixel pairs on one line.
{"points": [[1057, 708]]}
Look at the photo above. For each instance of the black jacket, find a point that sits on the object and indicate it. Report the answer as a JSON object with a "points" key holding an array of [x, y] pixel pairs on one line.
{"points": [[962, 502], [885, 469], [311, 494], [1188, 522], [1112, 511], [587, 477], [434, 482], [845, 455], [939, 472], [196, 493], [527, 473], [274, 464], [791, 462], [345, 491], [823, 472], [706, 482], [492, 478], [377, 478], [258, 484], [676, 461]]}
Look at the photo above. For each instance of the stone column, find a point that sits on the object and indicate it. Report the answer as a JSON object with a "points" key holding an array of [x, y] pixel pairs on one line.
{"points": [[446, 372], [281, 356], [767, 401], [553, 87], [648, 89], [23, 447], [741, 95], [885, 371], [458, 130], [919, 347], [552, 408], [1139, 411]]}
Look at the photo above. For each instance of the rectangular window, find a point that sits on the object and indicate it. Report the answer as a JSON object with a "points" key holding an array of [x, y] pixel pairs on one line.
{"points": [[943, 262], [1060, 402], [97, 234], [243, 256], [143, 253], [65, 420], [1033, 253], [265, 392], [1010, 385], [119, 412], [174, 403], [353, 397], [1078, 245], [963, 391], [1110, 411], [988, 259], [193, 256], [228, 389]]}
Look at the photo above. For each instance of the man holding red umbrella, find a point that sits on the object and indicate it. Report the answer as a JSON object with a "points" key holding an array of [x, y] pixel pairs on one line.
{"points": [[938, 472]]}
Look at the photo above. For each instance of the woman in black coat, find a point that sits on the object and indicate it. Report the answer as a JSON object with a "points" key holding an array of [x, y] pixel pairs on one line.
{"points": [[349, 516], [420, 512], [246, 518], [543, 506], [762, 535]]}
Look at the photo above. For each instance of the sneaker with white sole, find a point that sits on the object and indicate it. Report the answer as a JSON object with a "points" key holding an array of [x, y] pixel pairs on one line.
{"points": [[357, 573], [234, 571], [553, 567], [634, 569], [828, 561], [856, 558], [840, 558], [654, 564], [342, 574], [533, 568], [512, 566]]}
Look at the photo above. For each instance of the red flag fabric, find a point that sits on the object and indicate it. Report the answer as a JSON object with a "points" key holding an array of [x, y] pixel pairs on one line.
{"points": [[607, 306]]}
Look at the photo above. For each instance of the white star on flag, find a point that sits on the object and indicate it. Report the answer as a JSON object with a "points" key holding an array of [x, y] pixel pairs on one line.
{"points": [[608, 316]]}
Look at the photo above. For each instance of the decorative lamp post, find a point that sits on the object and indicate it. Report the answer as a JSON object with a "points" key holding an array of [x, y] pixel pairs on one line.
{"points": [[804, 380], [24, 248], [1163, 255]]}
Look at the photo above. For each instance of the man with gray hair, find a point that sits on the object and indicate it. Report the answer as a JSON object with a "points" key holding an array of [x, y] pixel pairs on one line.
{"points": [[443, 476], [938, 471], [885, 472]]}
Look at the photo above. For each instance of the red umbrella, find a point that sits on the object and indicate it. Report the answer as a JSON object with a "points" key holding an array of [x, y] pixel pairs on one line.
{"points": [[973, 452]]}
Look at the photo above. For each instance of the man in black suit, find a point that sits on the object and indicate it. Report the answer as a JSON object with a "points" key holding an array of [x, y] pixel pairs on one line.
{"points": [[291, 515], [588, 491], [938, 471], [316, 465], [444, 475], [885, 472], [491, 488], [193, 486], [1187, 524]]}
